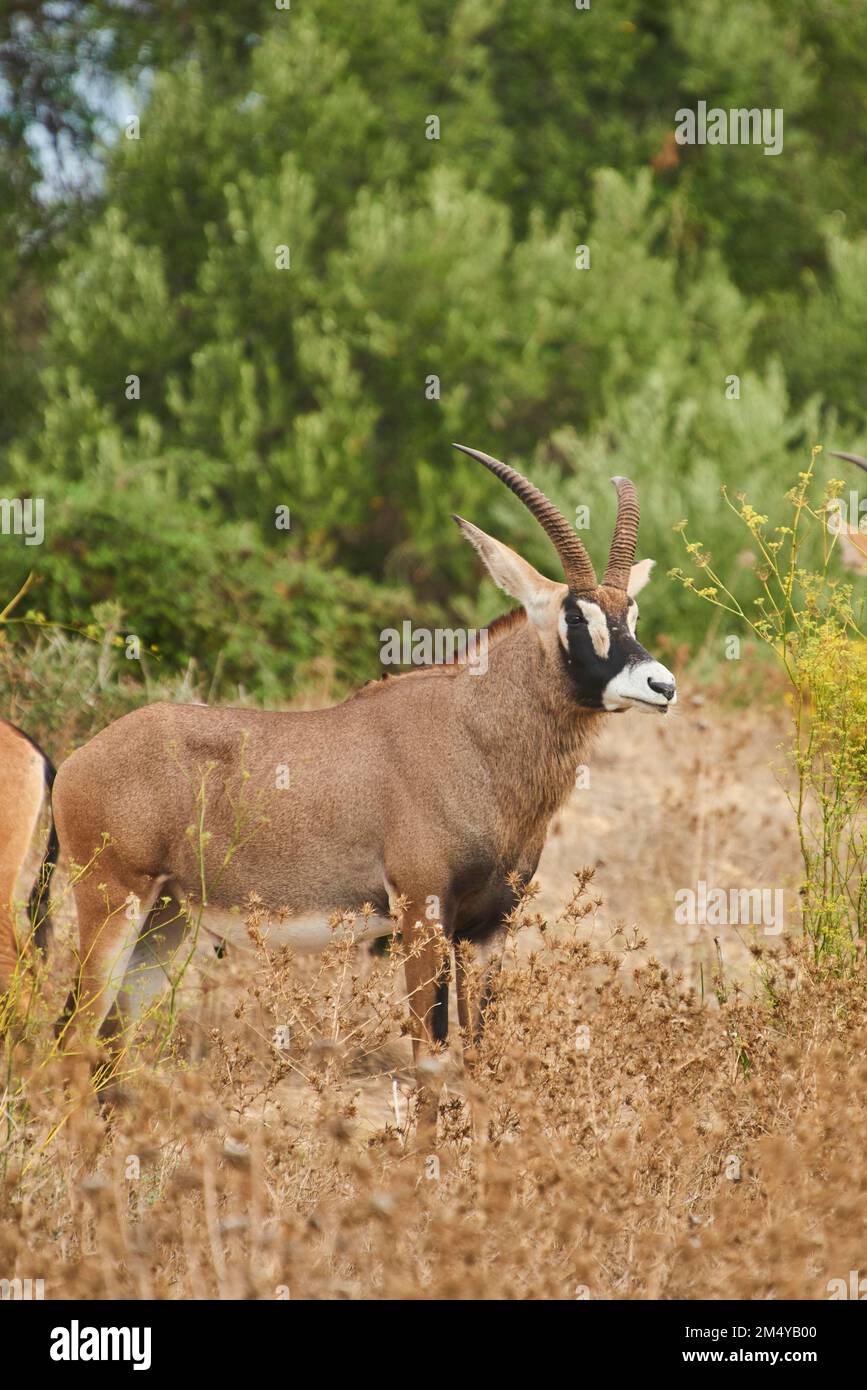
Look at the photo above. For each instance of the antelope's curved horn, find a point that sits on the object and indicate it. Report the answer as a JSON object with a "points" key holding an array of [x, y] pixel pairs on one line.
{"points": [[577, 566], [851, 458], [622, 554]]}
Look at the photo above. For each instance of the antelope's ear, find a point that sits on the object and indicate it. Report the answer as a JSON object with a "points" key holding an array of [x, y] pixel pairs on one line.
{"points": [[512, 574], [638, 577]]}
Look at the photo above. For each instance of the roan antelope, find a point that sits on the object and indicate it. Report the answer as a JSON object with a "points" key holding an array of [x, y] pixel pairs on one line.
{"points": [[26, 776], [431, 787]]}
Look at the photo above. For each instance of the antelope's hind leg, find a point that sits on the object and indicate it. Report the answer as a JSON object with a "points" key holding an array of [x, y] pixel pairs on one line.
{"points": [[113, 908], [154, 967]]}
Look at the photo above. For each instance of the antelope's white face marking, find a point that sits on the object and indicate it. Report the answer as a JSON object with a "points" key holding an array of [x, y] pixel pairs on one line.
{"points": [[307, 934], [632, 616], [632, 688], [597, 625]]}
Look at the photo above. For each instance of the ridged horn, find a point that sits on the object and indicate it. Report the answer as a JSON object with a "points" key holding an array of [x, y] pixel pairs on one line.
{"points": [[622, 553], [577, 566]]}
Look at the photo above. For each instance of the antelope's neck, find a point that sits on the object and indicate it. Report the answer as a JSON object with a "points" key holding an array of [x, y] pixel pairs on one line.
{"points": [[526, 731]]}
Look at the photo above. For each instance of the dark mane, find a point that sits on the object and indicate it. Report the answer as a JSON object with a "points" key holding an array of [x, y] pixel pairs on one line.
{"points": [[501, 627]]}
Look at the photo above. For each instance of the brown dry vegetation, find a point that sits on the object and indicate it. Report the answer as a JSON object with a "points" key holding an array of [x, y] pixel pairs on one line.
{"points": [[653, 1115]]}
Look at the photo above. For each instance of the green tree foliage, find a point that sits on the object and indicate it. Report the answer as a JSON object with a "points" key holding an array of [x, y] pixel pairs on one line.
{"points": [[302, 378]]}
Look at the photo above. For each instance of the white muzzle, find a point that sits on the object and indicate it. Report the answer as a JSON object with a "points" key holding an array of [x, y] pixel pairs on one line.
{"points": [[647, 685]]}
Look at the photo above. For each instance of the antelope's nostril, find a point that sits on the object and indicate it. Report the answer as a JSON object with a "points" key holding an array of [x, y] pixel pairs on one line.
{"points": [[665, 688]]}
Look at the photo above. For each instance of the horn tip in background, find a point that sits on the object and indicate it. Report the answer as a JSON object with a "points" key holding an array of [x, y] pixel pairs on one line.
{"points": [[849, 458], [478, 454]]}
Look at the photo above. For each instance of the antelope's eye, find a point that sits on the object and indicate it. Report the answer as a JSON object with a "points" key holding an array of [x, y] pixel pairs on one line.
{"points": [[575, 618]]}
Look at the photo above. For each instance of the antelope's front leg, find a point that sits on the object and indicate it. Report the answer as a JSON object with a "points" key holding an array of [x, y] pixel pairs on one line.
{"points": [[426, 968], [478, 966]]}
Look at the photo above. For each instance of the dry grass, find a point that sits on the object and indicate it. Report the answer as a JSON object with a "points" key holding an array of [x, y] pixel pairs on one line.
{"points": [[616, 1141]]}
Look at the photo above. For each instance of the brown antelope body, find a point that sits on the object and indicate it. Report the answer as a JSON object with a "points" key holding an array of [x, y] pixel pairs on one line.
{"points": [[25, 776], [420, 795]]}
